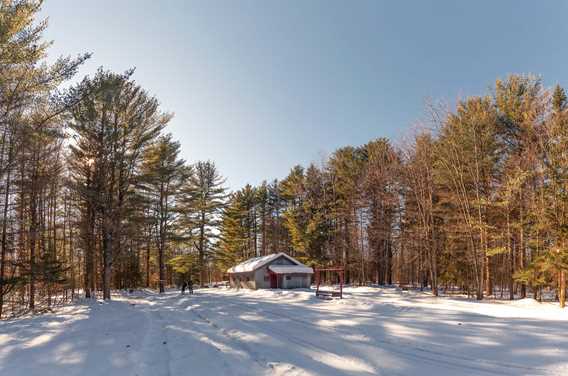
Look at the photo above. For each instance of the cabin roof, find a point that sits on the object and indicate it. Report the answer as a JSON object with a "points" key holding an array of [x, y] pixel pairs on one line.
{"points": [[258, 262], [289, 269]]}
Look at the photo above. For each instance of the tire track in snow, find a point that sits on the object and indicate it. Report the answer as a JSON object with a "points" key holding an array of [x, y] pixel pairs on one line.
{"points": [[282, 335], [434, 357], [254, 355], [487, 362], [153, 336], [177, 318], [157, 342]]}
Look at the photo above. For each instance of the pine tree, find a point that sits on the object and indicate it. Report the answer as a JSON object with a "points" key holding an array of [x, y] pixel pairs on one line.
{"points": [[27, 114], [554, 145], [162, 175], [380, 195], [232, 246], [346, 171], [114, 122], [467, 154], [520, 108], [202, 203]]}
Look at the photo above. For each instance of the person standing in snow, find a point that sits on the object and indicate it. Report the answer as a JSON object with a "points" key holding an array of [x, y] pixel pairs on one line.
{"points": [[190, 286]]}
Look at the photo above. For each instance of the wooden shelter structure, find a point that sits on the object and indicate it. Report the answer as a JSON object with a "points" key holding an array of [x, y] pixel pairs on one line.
{"points": [[332, 293]]}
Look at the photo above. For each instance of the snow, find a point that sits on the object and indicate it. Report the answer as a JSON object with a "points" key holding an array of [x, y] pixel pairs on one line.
{"points": [[287, 269], [372, 331], [253, 263], [258, 262]]}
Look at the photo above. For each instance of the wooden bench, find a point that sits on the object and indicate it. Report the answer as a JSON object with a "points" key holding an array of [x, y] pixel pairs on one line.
{"points": [[328, 294]]}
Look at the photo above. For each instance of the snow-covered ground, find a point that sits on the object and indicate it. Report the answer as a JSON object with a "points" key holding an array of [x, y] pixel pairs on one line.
{"points": [[372, 331]]}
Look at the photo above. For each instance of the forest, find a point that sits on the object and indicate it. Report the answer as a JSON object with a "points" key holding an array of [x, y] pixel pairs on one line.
{"points": [[94, 195]]}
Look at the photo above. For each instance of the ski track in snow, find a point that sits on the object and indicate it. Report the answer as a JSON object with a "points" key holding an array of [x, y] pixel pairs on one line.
{"points": [[373, 331]]}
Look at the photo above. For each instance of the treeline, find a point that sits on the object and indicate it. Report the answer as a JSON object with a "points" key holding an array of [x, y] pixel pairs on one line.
{"points": [[476, 201], [93, 192], [94, 195]]}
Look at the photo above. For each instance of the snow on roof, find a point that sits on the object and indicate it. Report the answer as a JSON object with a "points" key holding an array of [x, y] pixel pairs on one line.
{"points": [[287, 269], [257, 262]]}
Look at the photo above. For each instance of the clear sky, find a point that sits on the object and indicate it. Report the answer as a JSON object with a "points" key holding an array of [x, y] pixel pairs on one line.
{"points": [[259, 86]]}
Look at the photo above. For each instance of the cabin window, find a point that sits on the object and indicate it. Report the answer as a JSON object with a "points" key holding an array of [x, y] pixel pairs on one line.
{"points": [[266, 278], [288, 277]]}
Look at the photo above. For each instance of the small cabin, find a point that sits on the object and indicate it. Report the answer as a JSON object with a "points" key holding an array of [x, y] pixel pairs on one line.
{"points": [[275, 271]]}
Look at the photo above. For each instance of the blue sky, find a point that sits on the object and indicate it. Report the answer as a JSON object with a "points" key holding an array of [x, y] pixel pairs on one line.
{"points": [[259, 86]]}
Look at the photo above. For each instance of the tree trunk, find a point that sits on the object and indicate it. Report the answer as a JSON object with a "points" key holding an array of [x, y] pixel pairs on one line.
{"points": [[4, 224], [487, 275], [107, 259], [522, 247], [263, 224], [511, 259], [162, 215], [32, 242], [202, 251], [90, 239], [562, 288], [148, 264], [433, 258], [162, 267]]}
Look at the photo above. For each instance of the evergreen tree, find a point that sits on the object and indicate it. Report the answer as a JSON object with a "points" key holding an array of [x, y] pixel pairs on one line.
{"points": [[202, 203], [381, 197], [468, 153], [555, 160], [162, 175], [114, 122], [30, 127], [232, 247]]}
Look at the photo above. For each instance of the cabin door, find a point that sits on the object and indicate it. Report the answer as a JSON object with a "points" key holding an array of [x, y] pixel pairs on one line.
{"points": [[273, 280]]}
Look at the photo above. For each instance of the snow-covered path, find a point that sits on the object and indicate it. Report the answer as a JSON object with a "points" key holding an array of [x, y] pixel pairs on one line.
{"points": [[227, 332]]}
